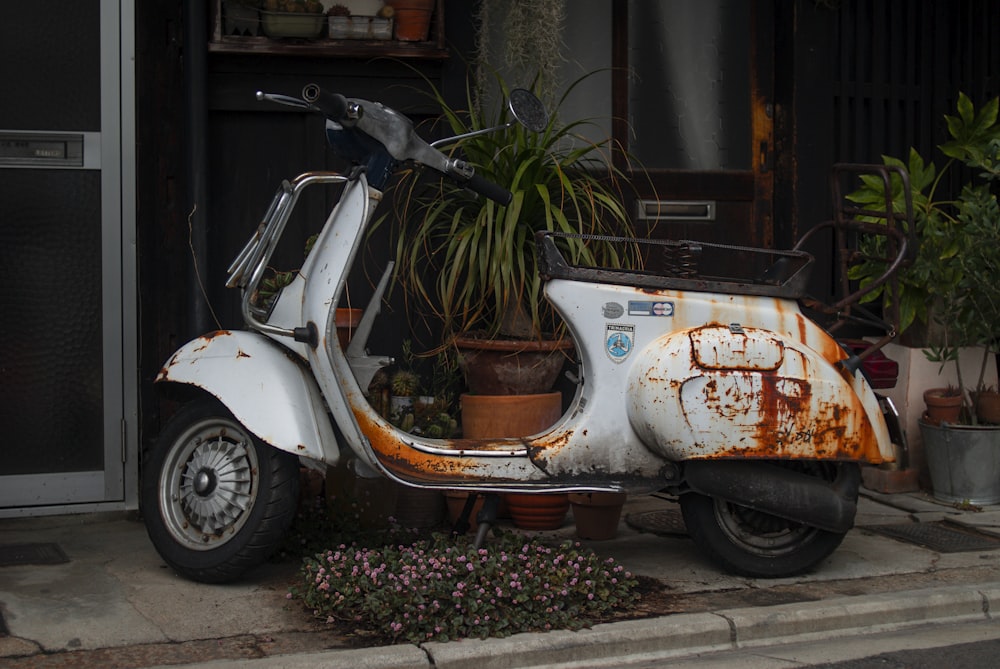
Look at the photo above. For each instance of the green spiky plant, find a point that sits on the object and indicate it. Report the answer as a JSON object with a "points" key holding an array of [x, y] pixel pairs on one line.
{"points": [[473, 261]]}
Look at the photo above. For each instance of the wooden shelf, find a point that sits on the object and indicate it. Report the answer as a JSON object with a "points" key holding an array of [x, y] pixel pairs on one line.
{"points": [[323, 47]]}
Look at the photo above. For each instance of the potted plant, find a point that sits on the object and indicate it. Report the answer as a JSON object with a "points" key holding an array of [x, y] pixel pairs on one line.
{"points": [[953, 282], [474, 262]]}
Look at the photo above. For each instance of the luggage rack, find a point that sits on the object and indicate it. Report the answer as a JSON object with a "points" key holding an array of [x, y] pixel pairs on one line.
{"points": [[686, 265], [718, 268]]}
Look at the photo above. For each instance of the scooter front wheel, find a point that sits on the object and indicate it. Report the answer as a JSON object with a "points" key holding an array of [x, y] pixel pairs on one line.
{"points": [[216, 500], [752, 543]]}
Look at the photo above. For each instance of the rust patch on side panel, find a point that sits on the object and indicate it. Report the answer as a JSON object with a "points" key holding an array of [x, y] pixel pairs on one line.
{"points": [[410, 463], [724, 392], [777, 416]]}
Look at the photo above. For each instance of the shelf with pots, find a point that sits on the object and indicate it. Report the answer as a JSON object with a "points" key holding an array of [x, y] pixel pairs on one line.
{"points": [[366, 30]]}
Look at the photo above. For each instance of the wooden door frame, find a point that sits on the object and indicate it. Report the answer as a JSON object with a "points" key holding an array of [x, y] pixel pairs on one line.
{"points": [[755, 185]]}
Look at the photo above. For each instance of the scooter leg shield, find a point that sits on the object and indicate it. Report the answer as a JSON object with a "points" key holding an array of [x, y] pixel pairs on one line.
{"points": [[781, 491]]}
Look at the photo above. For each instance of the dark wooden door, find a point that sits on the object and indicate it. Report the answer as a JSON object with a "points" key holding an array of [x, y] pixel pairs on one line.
{"points": [[692, 104]]}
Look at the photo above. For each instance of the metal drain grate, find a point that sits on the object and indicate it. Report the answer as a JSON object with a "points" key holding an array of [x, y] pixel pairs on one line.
{"points": [[942, 536], [12, 555], [668, 522]]}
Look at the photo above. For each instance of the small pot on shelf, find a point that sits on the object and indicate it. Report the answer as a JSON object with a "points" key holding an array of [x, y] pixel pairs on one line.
{"points": [[412, 19]]}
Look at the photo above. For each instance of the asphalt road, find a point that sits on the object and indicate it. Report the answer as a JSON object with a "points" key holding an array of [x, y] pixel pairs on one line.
{"points": [[970, 646], [976, 655]]}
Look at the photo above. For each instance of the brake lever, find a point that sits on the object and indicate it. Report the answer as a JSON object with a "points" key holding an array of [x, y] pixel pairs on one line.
{"points": [[286, 100]]}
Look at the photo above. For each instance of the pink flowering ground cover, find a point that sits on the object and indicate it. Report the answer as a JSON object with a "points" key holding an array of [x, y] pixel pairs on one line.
{"points": [[440, 588]]}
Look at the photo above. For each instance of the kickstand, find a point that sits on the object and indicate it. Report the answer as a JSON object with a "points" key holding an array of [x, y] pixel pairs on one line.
{"points": [[461, 525], [487, 518]]}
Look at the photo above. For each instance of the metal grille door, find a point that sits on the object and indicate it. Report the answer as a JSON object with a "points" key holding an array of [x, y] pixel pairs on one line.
{"points": [[61, 344]]}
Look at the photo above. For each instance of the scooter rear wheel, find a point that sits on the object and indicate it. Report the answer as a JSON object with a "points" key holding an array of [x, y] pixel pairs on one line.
{"points": [[216, 500], [756, 544]]}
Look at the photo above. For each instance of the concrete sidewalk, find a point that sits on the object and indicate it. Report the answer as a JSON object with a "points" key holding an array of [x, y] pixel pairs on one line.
{"points": [[115, 604]]}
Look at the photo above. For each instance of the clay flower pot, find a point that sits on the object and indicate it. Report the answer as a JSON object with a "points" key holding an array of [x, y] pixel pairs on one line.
{"points": [[347, 321], [987, 406], [455, 501], [538, 511], [944, 405], [412, 19], [597, 514], [490, 416]]}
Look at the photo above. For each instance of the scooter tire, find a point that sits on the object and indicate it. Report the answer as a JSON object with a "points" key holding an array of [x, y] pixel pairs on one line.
{"points": [[751, 543], [216, 500]]}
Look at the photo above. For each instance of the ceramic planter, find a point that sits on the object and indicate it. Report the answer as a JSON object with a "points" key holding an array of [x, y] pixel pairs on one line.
{"points": [[455, 501], [511, 366], [988, 406], [412, 19], [496, 416], [493, 416], [347, 321], [597, 514], [943, 406], [418, 508], [538, 511]]}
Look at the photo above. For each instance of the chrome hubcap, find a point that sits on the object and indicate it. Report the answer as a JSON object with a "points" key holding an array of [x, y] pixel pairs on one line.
{"points": [[209, 483]]}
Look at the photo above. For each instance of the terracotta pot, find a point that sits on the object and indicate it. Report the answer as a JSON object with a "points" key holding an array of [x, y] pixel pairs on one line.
{"points": [[538, 511], [497, 416], [511, 366], [418, 508], [987, 406], [597, 514], [943, 406], [455, 500], [347, 321], [412, 19]]}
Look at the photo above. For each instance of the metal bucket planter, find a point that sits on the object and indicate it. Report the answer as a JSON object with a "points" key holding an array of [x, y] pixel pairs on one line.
{"points": [[964, 462]]}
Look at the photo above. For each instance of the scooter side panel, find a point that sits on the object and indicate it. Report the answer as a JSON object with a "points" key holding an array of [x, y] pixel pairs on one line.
{"points": [[717, 391], [263, 386], [617, 327]]}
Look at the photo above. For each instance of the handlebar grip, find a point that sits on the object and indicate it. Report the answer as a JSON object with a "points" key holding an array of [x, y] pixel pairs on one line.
{"points": [[332, 105], [487, 188]]}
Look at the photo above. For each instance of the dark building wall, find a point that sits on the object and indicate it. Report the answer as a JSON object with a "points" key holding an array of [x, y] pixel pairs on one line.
{"points": [[853, 79]]}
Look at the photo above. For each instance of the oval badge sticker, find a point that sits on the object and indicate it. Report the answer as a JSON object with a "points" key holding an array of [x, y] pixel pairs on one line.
{"points": [[618, 341], [612, 310]]}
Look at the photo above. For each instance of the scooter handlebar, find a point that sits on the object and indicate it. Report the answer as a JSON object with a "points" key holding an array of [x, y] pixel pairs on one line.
{"points": [[487, 188], [396, 133], [332, 105]]}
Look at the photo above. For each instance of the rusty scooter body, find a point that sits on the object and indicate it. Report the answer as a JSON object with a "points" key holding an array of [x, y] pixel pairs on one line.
{"points": [[701, 376]]}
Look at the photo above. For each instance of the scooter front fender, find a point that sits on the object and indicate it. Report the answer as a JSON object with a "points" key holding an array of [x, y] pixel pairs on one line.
{"points": [[267, 389]]}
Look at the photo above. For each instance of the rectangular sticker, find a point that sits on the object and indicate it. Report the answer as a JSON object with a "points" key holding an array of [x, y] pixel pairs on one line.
{"points": [[657, 308]]}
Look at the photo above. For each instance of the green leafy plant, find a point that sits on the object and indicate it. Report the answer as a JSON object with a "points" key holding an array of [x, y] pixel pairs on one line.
{"points": [[432, 409], [473, 261], [435, 589], [272, 284], [953, 278]]}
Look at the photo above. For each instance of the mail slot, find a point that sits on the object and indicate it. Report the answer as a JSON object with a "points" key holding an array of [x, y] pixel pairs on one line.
{"points": [[676, 210], [23, 149]]}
